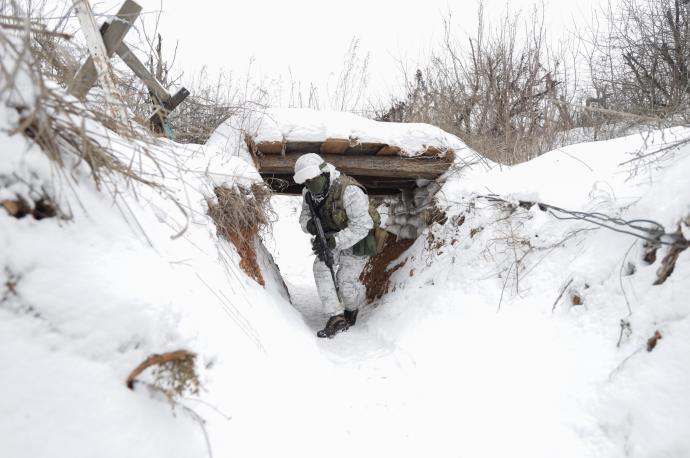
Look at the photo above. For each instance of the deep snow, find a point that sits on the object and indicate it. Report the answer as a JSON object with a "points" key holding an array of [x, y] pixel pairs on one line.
{"points": [[435, 368]]}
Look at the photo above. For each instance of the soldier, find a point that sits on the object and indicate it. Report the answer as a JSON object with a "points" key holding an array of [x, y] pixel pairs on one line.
{"points": [[349, 223]]}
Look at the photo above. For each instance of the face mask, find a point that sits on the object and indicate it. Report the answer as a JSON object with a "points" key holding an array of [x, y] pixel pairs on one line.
{"points": [[317, 185]]}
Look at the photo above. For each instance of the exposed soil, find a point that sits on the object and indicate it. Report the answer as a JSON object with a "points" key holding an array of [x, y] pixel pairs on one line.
{"points": [[377, 273], [244, 242], [238, 213]]}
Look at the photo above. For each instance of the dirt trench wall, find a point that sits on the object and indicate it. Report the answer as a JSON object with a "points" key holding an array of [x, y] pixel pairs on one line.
{"points": [[406, 218]]}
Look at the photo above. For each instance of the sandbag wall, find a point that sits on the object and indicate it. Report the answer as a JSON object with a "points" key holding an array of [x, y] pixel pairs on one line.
{"points": [[413, 211]]}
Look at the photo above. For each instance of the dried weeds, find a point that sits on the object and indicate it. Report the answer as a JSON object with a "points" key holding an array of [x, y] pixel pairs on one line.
{"points": [[239, 213], [174, 374]]}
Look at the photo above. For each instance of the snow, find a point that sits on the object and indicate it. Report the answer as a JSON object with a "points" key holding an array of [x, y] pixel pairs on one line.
{"points": [[306, 125], [462, 358]]}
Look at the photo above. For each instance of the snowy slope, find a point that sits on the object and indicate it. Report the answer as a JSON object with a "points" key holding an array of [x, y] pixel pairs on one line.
{"points": [[554, 383]]}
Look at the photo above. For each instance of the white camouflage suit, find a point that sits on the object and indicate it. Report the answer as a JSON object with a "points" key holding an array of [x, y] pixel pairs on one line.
{"points": [[349, 267]]}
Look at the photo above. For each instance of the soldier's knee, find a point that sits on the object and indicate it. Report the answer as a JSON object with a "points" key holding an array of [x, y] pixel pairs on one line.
{"points": [[350, 292]]}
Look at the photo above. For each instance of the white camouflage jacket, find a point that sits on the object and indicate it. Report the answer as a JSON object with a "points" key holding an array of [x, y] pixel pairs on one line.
{"points": [[356, 204]]}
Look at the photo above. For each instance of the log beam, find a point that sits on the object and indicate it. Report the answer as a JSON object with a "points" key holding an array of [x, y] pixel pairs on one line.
{"points": [[356, 165]]}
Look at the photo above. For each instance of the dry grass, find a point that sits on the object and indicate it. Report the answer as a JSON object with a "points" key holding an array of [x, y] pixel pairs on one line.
{"points": [[67, 130], [174, 374], [239, 213]]}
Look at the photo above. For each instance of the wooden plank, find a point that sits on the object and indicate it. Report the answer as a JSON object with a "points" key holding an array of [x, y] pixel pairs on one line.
{"points": [[87, 74], [176, 99], [269, 147], [380, 166], [334, 146], [142, 72], [99, 60], [171, 104]]}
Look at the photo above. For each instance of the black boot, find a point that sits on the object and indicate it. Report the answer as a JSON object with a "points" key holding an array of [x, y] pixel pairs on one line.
{"points": [[335, 324], [351, 316]]}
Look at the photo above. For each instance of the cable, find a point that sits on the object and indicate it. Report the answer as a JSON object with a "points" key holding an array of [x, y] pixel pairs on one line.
{"points": [[653, 235]]}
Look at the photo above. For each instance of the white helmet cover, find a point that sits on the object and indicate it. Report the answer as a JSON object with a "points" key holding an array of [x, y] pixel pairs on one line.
{"points": [[308, 166]]}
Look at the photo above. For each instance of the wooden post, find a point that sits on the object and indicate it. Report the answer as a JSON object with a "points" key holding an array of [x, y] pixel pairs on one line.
{"points": [[103, 44], [111, 38], [99, 55]]}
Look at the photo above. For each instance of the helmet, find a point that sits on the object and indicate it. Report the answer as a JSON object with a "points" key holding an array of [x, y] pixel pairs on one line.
{"points": [[308, 166]]}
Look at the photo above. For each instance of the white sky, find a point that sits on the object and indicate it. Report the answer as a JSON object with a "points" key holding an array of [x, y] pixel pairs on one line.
{"points": [[310, 37]]}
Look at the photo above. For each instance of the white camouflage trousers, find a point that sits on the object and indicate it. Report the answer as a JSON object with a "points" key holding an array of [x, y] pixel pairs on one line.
{"points": [[348, 268]]}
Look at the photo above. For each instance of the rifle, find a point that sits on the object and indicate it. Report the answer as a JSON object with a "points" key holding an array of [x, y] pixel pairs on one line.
{"points": [[326, 252]]}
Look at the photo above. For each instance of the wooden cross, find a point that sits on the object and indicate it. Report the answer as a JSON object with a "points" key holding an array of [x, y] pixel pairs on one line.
{"points": [[110, 36]]}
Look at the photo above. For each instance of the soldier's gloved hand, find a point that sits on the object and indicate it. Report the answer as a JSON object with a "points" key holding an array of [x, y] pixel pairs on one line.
{"points": [[323, 255], [311, 227], [330, 238], [316, 246]]}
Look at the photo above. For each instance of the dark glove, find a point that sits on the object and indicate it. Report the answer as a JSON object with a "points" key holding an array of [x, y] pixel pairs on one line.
{"points": [[321, 253], [316, 245], [311, 227]]}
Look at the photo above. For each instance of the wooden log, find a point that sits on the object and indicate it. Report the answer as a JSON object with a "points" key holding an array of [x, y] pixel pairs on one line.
{"points": [[87, 74], [380, 166], [278, 147], [388, 150], [365, 149], [334, 146]]}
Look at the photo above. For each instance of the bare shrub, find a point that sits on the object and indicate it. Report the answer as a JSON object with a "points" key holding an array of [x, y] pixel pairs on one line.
{"points": [[496, 92], [212, 101], [640, 59], [62, 126], [352, 81]]}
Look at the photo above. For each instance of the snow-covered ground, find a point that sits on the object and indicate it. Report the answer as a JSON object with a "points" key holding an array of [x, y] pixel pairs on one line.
{"points": [[465, 358], [462, 358]]}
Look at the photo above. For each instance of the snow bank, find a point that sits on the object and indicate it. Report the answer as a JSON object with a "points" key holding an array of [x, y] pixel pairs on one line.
{"points": [[465, 358], [138, 270], [472, 308]]}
